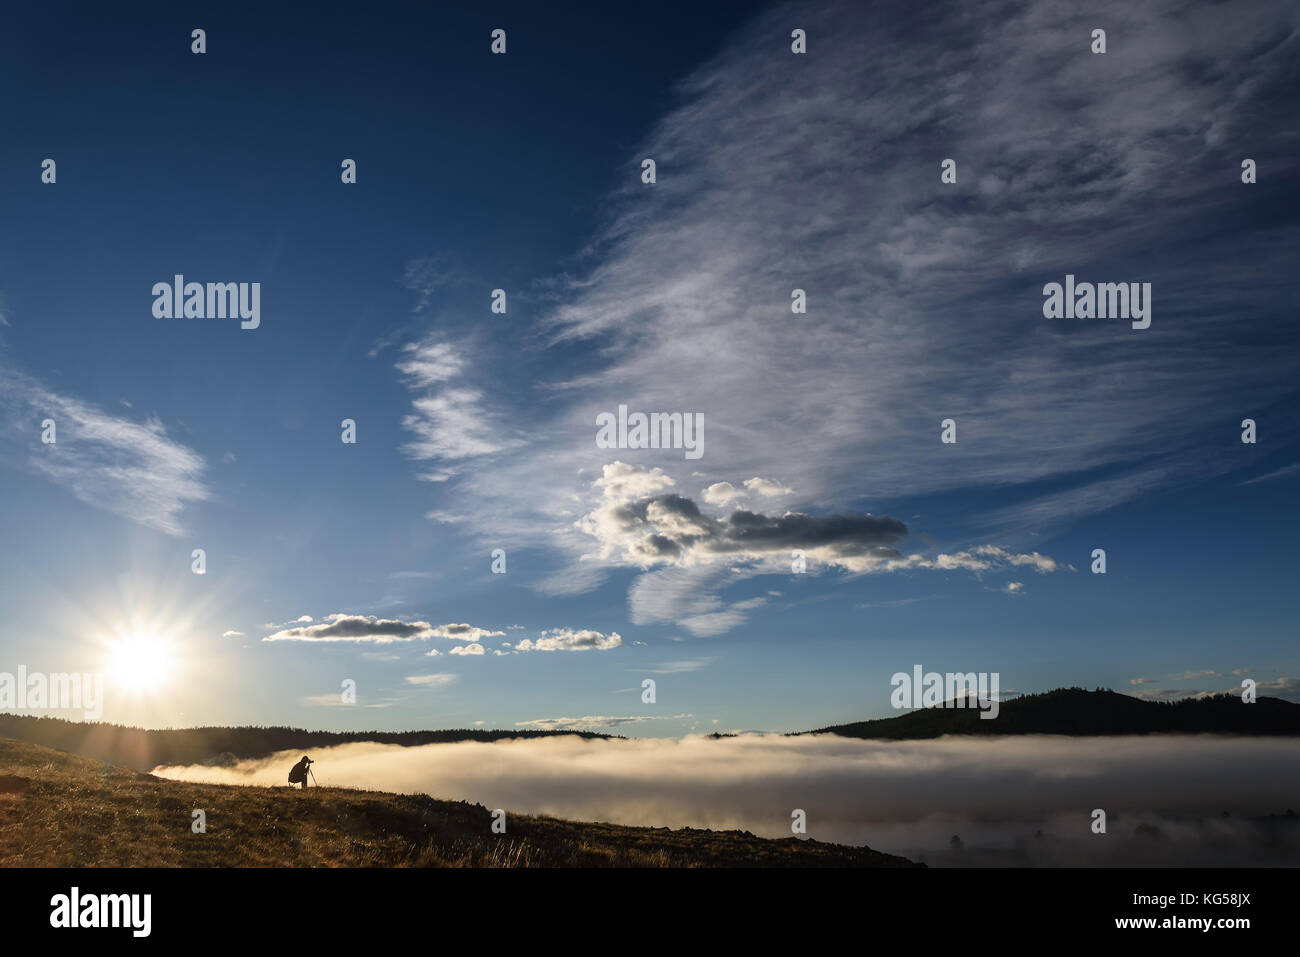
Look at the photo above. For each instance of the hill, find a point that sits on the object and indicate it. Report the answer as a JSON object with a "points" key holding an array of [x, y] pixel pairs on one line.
{"points": [[145, 749], [1080, 712], [64, 810]]}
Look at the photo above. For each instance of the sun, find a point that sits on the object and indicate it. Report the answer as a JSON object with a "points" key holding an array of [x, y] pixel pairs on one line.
{"points": [[141, 663]]}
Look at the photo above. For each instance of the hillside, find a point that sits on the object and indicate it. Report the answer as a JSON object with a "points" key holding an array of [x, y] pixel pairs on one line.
{"points": [[1080, 712], [144, 749], [60, 809]]}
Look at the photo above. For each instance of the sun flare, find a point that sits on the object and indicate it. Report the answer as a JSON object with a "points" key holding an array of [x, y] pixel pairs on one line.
{"points": [[141, 662]]}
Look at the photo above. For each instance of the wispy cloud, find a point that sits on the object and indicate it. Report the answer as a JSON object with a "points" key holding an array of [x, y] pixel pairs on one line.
{"points": [[678, 667], [1287, 471], [683, 301], [592, 722], [450, 419], [431, 680], [133, 469]]}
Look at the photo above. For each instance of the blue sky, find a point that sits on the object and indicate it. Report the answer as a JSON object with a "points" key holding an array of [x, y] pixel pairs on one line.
{"points": [[476, 431]]}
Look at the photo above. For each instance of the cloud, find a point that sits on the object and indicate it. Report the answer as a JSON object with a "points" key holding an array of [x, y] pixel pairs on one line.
{"points": [[1142, 681], [232, 634], [1014, 588], [635, 528], [1286, 688], [567, 639], [727, 616], [357, 628], [667, 528], [1172, 694], [766, 487], [678, 667], [449, 422], [906, 797], [368, 628], [591, 722], [431, 680], [464, 632], [474, 649], [1189, 675], [688, 597], [699, 555], [427, 274], [132, 469], [443, 517], [895, 602], [719, 493], [622, 482], [723, 493], [1285, 472], [333, 700], [924, 302], [903, 293], [429, 363]]}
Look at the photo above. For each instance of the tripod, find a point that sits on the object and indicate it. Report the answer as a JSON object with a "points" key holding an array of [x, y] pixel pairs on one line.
{"points": [[313, 777]]}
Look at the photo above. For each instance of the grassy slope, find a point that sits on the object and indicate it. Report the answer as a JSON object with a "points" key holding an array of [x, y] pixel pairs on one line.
{"points": [[59, 809]]}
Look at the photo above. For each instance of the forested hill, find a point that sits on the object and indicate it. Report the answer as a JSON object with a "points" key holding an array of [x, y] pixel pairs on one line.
{"points": [[143, 749], [1077, 711]]}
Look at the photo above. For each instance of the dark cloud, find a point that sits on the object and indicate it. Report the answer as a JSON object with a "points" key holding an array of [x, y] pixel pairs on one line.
{"points": [[847, 534], [356, 628], [680, 526]]}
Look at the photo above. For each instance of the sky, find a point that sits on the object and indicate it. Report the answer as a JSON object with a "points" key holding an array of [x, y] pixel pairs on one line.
{"points": [[328, 562]]}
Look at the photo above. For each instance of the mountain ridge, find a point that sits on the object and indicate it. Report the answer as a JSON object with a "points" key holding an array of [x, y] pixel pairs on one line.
{"points": [[1079, 712], [143, 749]]}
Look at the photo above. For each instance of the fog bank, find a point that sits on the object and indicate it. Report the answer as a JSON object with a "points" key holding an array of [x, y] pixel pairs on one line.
{"points": [[1011, 800]]}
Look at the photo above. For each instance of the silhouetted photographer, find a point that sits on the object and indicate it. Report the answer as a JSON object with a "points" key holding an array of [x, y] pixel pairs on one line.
{"points": [[298, 773]]}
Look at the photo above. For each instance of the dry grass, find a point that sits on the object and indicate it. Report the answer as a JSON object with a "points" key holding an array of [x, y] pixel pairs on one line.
{"points": [[59, 809]]}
